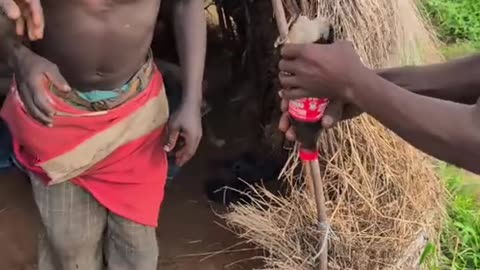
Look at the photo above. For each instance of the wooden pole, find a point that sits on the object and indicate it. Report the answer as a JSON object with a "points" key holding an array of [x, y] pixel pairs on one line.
{"points": [[321, 211], [312, 167], [281, 18]]}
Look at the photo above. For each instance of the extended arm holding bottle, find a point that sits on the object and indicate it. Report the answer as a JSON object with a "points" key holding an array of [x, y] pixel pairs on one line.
{"points": [[444, 129], [457, 80]]}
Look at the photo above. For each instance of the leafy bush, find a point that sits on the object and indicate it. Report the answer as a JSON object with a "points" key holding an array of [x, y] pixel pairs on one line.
{"points": [[461, 235], [457, 20], [460, 238]]}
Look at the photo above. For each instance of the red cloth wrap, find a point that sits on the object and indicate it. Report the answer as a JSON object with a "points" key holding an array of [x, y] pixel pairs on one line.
{"points": [[129, 182]]}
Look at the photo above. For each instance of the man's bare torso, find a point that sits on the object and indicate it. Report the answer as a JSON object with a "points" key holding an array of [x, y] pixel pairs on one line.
{"points": [[97, 44]]}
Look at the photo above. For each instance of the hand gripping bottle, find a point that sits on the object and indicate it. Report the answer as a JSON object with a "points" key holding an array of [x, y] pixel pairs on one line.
{"points": [[306, 115]]}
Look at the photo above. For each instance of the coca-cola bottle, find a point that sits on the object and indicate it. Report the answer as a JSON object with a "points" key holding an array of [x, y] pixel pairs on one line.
{"points": [[306, 115]]}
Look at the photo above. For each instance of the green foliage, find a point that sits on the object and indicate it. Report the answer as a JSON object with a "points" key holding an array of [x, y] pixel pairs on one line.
{"points": [[457, 20], [460, 238]]}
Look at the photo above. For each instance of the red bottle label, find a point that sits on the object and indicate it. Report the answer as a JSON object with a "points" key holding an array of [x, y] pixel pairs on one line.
{"points": [[307, 109]]}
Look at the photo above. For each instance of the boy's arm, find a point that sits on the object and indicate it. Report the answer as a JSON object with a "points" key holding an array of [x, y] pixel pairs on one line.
{"points": [[11, 46], [457, 80], [191, 36], [190, 31], [444, 129], [447, 130]]}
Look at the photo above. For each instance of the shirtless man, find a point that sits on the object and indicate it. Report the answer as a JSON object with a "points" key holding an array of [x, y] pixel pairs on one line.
{"points": [[87, 112], [436, 108]]}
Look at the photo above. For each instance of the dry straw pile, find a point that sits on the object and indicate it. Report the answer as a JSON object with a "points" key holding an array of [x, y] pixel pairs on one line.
{"points": [[383, 197]]}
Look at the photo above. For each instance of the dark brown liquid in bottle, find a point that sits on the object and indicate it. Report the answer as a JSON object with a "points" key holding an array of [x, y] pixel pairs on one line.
{"points": [[307, 133]]}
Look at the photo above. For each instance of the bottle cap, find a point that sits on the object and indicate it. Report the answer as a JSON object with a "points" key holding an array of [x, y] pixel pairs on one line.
{"points": [[308, 155]]}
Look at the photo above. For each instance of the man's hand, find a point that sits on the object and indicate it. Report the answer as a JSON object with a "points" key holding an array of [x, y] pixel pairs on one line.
{"points": [[33, 75], [336, 111], [185, 123], [25, 13], [315, 70]]}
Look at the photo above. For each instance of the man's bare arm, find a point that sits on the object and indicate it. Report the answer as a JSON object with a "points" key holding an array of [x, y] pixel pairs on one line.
{"points": [[15, 16], [457, 80], [190, 31], [191, 36], [11, 47], [30, 72], [444, 129]]}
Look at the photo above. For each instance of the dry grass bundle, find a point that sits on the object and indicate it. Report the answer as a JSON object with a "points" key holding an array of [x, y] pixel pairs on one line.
{"points": [[384, 32], [383, 196], [383, 200]]}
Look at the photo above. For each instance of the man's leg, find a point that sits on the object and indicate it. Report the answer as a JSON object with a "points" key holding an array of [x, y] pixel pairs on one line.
{"points": [[130, 246], [74, 223]]}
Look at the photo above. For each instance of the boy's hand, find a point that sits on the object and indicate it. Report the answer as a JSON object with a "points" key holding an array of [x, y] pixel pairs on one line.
{"points": [[187, 124], [325, 71], [33, 73]]}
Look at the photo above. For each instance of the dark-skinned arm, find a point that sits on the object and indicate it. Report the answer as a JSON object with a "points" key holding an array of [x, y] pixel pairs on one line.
{"points": [[457, 80], [190, 32], [444, 129], [16, 18], [11, 45], [31, 70]]}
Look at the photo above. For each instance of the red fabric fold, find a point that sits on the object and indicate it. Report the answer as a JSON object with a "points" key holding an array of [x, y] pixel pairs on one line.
{"points": [[130, 182]]}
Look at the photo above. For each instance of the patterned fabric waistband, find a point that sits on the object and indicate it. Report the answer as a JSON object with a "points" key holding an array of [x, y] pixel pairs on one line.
{"points": [[109, 99]]}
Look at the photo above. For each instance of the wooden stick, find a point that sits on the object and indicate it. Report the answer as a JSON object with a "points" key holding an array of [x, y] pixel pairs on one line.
{"points": [[309, 181], [321, 211], [279, 13], [318, 186], [312, 167]]}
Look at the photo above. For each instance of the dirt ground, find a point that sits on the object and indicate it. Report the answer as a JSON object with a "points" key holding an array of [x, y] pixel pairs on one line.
{"points": [[189, 234]]}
